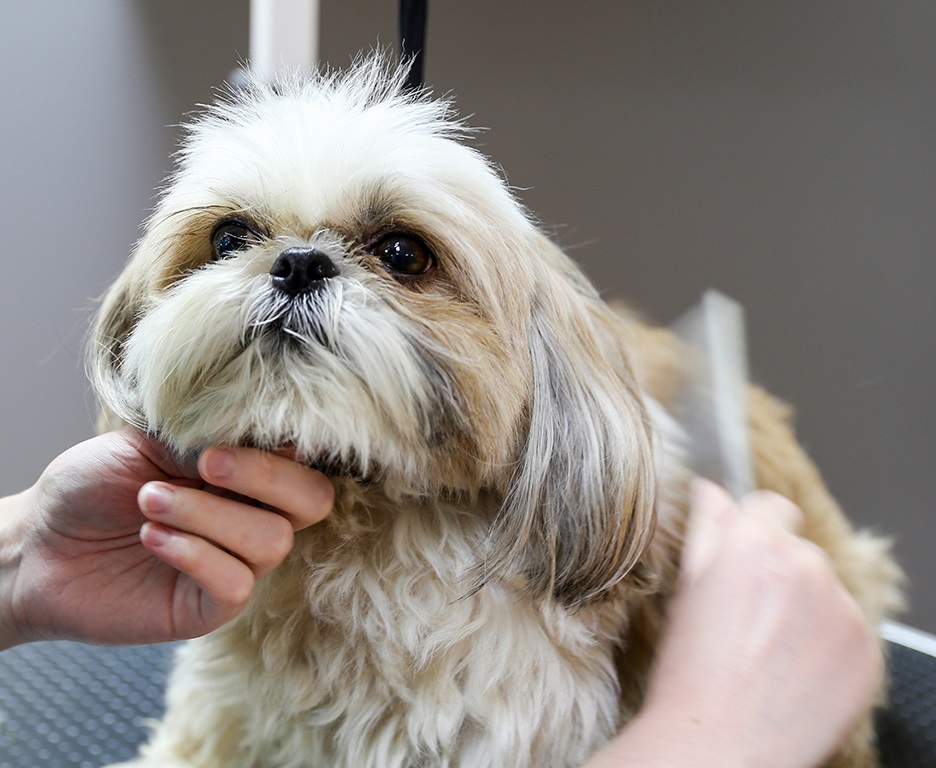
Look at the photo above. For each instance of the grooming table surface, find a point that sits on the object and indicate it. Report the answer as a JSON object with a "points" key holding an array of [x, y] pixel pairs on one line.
{"points": [[67, 705]]}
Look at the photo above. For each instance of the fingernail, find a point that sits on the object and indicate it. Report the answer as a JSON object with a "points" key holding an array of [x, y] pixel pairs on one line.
{"points": [[155, 535], [156, 498], [218, 463]]}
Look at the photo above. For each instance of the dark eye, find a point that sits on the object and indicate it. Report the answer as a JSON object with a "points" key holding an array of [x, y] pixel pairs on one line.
{"points": [[232, 235], [404, 254]]}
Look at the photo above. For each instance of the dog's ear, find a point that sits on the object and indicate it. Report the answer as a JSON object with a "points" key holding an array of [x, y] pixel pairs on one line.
{"points": [[116, 316], [579, 507]]}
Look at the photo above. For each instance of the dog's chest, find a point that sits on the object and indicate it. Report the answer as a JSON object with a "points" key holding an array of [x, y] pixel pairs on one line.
{"points": [[375, 651]]}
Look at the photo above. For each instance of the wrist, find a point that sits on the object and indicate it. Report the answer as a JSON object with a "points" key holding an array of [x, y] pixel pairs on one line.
{"points": [[659, 738], [12, 534]]}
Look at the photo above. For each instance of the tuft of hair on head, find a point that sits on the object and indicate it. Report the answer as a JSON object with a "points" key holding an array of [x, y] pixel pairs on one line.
{"points": [[374, 80]]}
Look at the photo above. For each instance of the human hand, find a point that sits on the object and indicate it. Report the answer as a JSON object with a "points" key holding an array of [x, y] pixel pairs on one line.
{"points": [[766, 661], [119, 543]]}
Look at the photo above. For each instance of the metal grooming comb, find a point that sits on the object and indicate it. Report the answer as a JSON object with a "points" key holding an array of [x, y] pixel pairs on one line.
{"points": [[712, 401]]}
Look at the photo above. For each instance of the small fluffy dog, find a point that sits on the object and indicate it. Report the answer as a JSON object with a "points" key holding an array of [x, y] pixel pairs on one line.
{"points": [[332, 270]]}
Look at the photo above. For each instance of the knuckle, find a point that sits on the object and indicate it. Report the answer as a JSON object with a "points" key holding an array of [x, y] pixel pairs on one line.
{"points": [[282, 543], [757, 537], [236, 594], [782, 553], [277, 542], [237, 588], [327, 490], [812, 562]]}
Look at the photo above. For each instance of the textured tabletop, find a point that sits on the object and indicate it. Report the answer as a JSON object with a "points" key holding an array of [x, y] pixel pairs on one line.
{"points": [[67, 705]]}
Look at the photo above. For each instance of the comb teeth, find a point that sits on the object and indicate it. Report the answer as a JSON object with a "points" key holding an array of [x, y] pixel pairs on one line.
{"points": [[711, 403]]}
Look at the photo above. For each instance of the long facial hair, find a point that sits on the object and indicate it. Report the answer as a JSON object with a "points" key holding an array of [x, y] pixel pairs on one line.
{"points": [[498, 372]]}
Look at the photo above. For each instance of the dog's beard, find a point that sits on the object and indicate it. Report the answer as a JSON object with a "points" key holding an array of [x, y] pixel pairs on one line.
{"points": [[308, 321], [337, 374]]}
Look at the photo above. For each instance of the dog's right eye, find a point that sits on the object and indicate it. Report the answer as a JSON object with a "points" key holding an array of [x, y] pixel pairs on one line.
{"points": [[230, 236]]}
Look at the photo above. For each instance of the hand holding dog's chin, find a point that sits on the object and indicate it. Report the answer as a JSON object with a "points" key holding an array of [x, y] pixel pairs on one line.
{"points": [[766, 661], [119, 543]]}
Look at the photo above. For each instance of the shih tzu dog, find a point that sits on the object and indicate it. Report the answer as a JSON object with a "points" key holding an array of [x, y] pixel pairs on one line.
{"points": [[333, 271]]}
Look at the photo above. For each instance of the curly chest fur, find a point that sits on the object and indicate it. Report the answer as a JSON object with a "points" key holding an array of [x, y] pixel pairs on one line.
{"points": [[331, 270], [369, 648]]}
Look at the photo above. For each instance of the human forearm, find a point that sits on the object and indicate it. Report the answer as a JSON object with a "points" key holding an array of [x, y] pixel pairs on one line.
{"points": [[660, 739], [11, 557]]}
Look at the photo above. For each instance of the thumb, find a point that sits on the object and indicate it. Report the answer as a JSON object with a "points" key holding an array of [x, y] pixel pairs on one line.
{"points": [[711, 510]]}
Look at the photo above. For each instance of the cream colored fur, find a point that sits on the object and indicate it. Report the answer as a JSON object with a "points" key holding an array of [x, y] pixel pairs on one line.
{"points": [[511, 489]]}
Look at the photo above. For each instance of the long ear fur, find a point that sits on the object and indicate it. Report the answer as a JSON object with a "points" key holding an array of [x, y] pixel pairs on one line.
{"points": [[579, 507], [115, 319]]}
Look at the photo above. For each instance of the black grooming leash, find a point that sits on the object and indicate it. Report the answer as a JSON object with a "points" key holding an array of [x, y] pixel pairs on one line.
{"points": [[413, 39]]}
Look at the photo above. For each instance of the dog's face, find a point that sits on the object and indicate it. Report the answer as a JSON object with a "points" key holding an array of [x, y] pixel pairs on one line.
{"points": [[332, 270]]}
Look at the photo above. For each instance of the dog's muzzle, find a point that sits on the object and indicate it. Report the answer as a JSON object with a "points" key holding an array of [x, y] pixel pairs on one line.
{"points": [[293, 307]]}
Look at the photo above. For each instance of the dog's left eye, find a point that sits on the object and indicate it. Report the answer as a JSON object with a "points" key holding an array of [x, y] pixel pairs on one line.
{"points": [[404, 254], [230, 236]]}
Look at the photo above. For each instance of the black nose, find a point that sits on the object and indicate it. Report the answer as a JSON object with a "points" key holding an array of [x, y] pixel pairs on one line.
{"points": [[301, 270]]}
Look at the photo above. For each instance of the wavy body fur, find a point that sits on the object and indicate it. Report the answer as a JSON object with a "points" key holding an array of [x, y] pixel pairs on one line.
{"points": [[490, 586]]}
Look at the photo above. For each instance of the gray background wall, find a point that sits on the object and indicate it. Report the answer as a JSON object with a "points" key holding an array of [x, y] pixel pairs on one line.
{"points": [[782, 152]]}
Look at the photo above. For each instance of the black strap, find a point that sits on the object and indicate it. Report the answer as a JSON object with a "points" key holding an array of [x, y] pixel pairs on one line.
{"points": [[413, 38]]}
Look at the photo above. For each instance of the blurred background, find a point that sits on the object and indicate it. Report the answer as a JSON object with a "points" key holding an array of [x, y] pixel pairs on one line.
{"points": [[784, 153]]}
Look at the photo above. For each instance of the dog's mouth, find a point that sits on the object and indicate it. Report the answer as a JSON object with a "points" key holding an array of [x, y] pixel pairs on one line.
{"points": [[284, 335], [299, 321], [327, 463]]}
